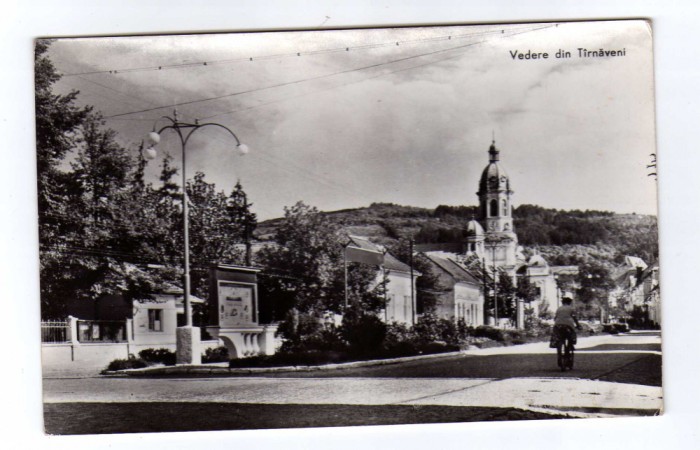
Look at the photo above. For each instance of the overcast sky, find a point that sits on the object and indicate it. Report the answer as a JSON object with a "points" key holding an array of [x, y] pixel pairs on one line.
{"points": [[380, 122]]}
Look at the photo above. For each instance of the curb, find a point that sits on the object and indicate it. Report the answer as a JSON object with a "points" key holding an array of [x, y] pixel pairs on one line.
{"points": [[217, 370], [205, 370]]}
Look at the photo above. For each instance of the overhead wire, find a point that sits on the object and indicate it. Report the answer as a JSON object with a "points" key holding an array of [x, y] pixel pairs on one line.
{"points": [[343, 84], [302, 80], [209, 63], [287, 163]]}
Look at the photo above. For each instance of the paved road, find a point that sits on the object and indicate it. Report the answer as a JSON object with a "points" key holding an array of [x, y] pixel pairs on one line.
{"points": [[614, 375]]}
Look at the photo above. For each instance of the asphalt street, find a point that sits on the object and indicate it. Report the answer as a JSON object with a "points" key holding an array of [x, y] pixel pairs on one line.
{"points": [[613, 375]]}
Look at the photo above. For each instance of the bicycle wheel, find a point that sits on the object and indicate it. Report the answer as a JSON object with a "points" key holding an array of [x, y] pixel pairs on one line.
{"points": [[560, 356], [568, 355]]}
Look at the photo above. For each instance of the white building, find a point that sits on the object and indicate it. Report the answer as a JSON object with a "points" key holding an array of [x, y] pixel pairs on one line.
{"points": [[401, 287], [461, 295]]}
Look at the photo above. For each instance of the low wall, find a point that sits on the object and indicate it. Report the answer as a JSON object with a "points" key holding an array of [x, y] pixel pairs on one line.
{"points": [[98, 354]]}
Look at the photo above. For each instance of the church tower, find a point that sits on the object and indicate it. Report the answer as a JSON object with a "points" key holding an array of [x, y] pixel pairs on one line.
{"points": [[495, 213]]}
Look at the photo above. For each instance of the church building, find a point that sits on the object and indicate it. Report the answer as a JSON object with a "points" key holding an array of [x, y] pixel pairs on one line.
{"points": [[493, 240]]}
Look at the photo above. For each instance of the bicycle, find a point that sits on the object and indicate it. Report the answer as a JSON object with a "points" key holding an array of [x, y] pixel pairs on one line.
{"points": [[565, 346]]}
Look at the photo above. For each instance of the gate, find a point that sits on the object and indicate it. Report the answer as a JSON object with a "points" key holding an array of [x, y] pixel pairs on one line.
{"points": [[54, 332]]}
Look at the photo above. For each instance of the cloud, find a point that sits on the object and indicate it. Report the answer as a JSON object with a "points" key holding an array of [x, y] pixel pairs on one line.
{"points": [[384, 124]]}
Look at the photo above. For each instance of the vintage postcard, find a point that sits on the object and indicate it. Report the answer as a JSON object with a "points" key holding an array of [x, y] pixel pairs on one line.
{"points": [[346, 227]]}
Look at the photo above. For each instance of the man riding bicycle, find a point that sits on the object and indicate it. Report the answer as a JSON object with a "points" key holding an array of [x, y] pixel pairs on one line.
{"points": [[564, 322]]}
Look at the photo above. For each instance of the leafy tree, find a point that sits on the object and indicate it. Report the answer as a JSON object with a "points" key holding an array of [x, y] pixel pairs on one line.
{"points": [[305, 270], [216, 229], [57, 120], [595, 285], [308, 251], [525, 290], [101, 224], [243, 220]]}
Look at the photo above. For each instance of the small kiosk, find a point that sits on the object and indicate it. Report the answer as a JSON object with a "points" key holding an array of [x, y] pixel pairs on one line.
{"points": [[234, 308]]}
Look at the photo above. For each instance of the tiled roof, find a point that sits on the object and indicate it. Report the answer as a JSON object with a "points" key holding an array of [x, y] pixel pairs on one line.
{"points": [[456, 271], [453, 247], [390, 261]]}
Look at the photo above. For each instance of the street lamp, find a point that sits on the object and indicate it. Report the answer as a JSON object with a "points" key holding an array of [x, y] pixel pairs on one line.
{"points": [[493, 244], [188, 337]]}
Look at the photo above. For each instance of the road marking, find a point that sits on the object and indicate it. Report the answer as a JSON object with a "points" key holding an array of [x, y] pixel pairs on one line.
{"points": [[618, 352], [448, 392]]}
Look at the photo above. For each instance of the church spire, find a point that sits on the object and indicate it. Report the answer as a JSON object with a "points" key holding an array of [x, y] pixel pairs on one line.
{"points": [[493, 151]]}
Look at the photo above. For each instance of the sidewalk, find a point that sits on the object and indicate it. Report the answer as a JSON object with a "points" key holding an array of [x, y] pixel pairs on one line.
{"points": [[571, 396]]}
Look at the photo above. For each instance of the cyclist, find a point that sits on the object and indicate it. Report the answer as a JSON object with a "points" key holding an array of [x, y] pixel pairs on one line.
{"points": [[564, 322]]}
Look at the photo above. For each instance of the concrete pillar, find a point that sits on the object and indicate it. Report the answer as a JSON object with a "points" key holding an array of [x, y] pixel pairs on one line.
{"points": [[520, 314], [129, 330], [246, 344], [256, 343], [73, 330], [189, 349], [267, 340]]}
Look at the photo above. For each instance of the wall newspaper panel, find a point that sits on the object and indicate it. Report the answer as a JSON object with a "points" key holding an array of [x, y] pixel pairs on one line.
{"points": [[236, 305]]}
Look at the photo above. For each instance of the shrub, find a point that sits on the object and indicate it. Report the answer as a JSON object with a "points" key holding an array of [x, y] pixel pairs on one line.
{"points": [[123, 364], [363, 332], [324, 338], [439, 347], [401, 349], [615, 328], [158, 356], [311, 358], [213, 355], [430, 328], [490, 333]]}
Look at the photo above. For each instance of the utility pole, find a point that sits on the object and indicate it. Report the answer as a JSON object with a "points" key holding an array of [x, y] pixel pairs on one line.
{"points": [[495, 286], [246, 231], [413, 295], [486, 288]]}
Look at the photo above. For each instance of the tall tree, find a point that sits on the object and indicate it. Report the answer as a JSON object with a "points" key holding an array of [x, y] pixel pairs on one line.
{"points": [[215, 231], [57, 121], [595, 284], [305, 270], [243, 220]]}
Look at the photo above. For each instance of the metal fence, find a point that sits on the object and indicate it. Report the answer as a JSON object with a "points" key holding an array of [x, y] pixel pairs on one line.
{"points": [[101, 331], [54, 332]]}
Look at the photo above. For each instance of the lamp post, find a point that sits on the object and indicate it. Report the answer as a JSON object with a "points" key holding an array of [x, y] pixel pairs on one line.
{"points": [[494, 290], [188, 337]]}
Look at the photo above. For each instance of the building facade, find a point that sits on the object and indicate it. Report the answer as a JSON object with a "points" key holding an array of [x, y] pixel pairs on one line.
{"points": [[401, 286], [460, 294]]}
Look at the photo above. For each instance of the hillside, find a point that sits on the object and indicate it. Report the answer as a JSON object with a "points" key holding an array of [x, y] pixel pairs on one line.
{"points": [[566, 237]]}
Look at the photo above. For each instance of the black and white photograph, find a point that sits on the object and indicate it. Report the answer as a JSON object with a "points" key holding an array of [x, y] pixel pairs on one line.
{"points": [[348, 227]]}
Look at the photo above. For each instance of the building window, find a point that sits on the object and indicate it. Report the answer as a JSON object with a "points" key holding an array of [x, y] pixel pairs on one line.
{"points": [[493, 208], [155, 320], [505, 208]]}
